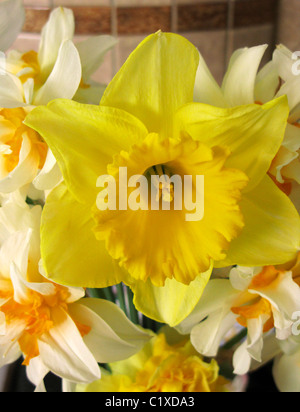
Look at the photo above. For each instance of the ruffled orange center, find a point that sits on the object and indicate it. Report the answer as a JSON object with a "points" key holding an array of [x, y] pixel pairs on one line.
{"points": [[11, 122], [35, 315], [172, 368], [258, 306]]}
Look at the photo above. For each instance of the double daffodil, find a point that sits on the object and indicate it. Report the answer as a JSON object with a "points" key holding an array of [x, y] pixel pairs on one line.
{"points": [[147, 122]]}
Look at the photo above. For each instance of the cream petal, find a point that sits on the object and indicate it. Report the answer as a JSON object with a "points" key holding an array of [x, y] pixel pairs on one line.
{"points": [[63, 351], [239, 82], [12, 17], [65, 77], [241, 360], [59, 28], [112, 337]]}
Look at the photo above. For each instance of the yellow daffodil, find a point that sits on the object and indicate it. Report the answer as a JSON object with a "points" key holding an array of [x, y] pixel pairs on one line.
{"points": [[146, 122], [12, 17], [59, 69], [161, 367], [243, 84], [259, 299], [54, 327]]}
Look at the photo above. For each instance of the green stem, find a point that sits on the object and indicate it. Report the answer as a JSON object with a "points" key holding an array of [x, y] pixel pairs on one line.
{"points": [[132, 310], [96, 293], [108, 293], [121, 297]]}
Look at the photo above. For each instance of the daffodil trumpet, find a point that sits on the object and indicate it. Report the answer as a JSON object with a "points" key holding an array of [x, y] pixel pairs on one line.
{"points": [[154, 190], [147, 119]]}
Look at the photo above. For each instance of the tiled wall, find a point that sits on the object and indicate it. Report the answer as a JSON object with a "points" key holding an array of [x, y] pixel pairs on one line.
{"points": [[216, 27]]}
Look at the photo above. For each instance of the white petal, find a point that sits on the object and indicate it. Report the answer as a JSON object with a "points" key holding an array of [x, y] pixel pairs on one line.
{"points": [[241, 360], [9, 347], [11, 91], [24, 172], [36, 371], [267, 83], [208, 335], [15, 249], [283, 296], [286, 372], [217, 295], [207, 89], [255, 337], [65, 77], [290, 88], [12, 16], [59, 28], [50, 175], [239, 83], [64, 352], [282, 58], [112, 337], [92, 52], [240, 277]]}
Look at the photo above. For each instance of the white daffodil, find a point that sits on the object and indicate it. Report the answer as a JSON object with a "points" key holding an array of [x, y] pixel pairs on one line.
{"points": [[54, 327], [59, 70], [259, 299], [12, 16], [243, 84]]}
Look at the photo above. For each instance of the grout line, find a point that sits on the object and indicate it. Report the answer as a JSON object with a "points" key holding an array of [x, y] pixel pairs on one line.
{"points": [[114, 32], [174, 16]]}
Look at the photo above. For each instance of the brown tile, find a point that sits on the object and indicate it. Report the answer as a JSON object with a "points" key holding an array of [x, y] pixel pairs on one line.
{"points": [[143, 19], [92, 20], [208, 16], [255, 12], [36, 18]]}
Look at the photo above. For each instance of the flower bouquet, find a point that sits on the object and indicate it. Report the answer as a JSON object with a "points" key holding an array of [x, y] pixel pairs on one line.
{"points": [[149, 231]]}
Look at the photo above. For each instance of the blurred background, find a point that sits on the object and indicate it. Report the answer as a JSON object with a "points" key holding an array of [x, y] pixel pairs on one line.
{"points": [[216, 27]]}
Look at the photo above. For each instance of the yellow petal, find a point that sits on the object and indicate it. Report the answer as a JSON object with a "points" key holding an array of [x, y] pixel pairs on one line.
{"points": [[272, 229], [84, 139], [253, 133], [70, 252], [156, 80], [172, 303]]}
